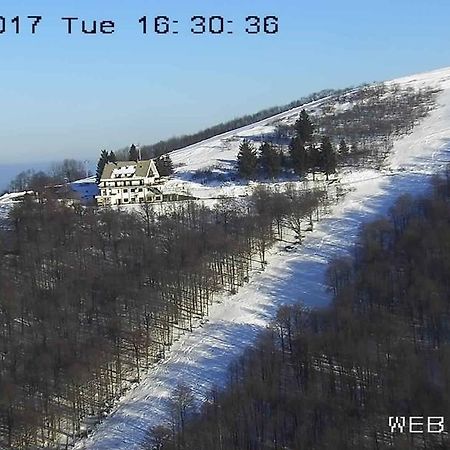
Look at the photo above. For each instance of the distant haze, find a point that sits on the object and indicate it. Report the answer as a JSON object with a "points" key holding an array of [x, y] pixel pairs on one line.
{"points": [[9, 171], [70, 96]]}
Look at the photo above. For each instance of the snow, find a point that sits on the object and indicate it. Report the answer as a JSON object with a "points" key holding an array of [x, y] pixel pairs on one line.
{"points": [[126, 171], [220, 151], [8, 200], [88, 180], [200, 359]]}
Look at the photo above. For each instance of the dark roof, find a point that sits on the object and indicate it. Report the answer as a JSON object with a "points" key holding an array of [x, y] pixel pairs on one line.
{"points": [[130, 169]]}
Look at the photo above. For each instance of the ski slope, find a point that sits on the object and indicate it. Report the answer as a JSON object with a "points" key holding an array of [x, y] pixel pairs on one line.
{"points": [[200, 359]]}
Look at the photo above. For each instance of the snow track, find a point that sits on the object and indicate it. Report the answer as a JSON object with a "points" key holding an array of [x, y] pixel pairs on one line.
{"points": [[200, 359]]}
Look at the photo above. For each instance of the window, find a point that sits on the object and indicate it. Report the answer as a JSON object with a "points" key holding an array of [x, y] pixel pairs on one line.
{"points": [[125, 190]]}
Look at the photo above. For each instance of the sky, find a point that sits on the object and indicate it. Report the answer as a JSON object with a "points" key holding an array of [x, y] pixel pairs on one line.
{"points": [[72, 95]]}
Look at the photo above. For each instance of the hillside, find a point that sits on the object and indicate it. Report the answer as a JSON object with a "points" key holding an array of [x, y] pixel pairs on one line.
{"points": [[200, 359], [331, 377]]}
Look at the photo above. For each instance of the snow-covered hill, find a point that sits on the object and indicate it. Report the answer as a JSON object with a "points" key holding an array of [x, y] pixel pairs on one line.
{"points": [[200, 359], [219, 154]]}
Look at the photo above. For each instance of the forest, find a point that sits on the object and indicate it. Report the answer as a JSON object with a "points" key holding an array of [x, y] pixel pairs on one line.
{"points": [[331, 378], [90, 298]]}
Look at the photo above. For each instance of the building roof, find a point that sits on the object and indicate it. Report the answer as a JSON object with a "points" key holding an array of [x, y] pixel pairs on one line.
{"points": [[88, 180], [123, 170]]}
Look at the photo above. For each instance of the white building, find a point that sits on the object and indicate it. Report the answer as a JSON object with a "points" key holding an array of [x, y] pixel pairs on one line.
{"points": [[126, 182]]}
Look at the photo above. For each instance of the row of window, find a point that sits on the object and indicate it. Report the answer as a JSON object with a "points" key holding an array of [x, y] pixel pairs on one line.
{"points": [[139, 200], [123, 183], [125, 191]]}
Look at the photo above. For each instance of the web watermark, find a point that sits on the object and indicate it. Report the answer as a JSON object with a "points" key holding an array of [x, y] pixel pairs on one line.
{"points": [[417, 424]]}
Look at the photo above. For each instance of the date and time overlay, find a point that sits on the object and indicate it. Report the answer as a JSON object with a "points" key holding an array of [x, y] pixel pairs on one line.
{"points": [[147, 25]]}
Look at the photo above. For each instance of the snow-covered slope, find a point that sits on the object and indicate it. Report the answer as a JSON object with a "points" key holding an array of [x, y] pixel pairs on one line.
{"points": [[219, 155], [200, 359]]}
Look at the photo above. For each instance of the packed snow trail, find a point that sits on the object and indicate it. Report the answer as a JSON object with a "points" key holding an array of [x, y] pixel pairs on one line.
{"points": [[200, 359]]}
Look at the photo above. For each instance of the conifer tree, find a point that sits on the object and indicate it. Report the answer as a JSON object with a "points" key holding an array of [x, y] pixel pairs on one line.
{"points": [[299, 157], [270, 160], [247, 160], [164, 165], [304, 128], [112, 157], [314, 159], [133, 154], [328, 157], [103, 160], [343, 148]]}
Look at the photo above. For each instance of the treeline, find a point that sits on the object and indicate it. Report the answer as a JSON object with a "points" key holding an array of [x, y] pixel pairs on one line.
{"points": [[370, 119], [354, 129], [331, 378], [90, 298], [66, 171], [304, 154], [175, 143]]}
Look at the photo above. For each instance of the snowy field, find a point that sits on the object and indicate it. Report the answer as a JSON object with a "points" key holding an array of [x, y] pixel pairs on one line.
{"points": [[200, 359]]}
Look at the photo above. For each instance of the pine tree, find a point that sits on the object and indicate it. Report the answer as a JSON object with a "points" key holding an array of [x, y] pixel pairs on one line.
{"points": [[164, 165], [247, 160], [299, 157], [270, 160], [112, 157], [103, 160], [328, 157], [343, 148], [314, 159], [133, 154], [304, 128]]}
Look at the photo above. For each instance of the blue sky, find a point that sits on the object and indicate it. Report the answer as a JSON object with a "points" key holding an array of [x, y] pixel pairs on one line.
{"points": [[71, 96]]}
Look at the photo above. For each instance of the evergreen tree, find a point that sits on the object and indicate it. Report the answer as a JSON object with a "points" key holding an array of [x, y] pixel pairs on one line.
{"points": [[314, 159], [103, 160], [112, 157], [328, 157], [353, 153], [270, 160], [304, 128], [133, 154], [164, 165], [247, 160], [284, 160], [299, 157], [343, 148]]}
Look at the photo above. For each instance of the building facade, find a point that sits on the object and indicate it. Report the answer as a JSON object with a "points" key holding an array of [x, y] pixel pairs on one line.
{"points": [[129, 182]]}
